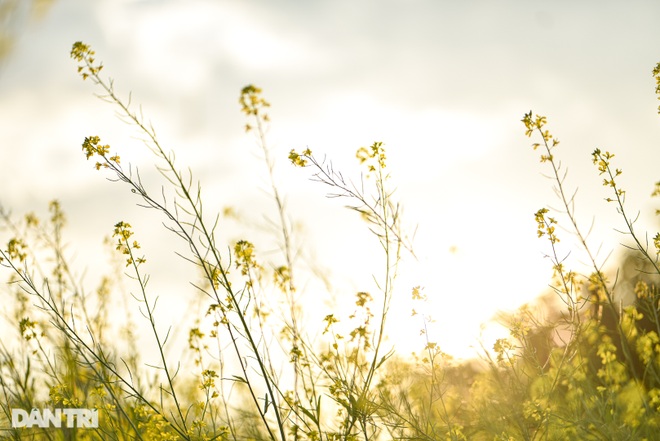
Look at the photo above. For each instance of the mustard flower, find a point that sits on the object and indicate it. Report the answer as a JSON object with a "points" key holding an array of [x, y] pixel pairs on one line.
{"points": [[16, 249], [656, 75], [252, 103], [84, 54], [299, 159], [376, 151]]}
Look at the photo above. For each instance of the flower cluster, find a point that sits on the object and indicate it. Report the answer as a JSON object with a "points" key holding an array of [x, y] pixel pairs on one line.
{"points": [[656, 75], [503, 349], [16, 249], [546, 225], [62, 396], [56, 215], [656, 193], [300, 159], [123, 233], [375, 151], [208, 382], [252, 103], [92, 146], [84, 54], [603, 162], [244, 251], [153, 425], [28, 329], [538, 123]]}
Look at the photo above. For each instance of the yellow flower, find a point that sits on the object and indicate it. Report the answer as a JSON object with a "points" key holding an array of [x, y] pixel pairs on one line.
{"points": [[299, 159]]}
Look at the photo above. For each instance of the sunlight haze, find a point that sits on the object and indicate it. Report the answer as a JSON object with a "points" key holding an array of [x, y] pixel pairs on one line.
{"points": [[442, 84]]}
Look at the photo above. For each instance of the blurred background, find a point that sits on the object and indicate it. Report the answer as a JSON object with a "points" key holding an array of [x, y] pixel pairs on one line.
{"points": [[443, 84]]}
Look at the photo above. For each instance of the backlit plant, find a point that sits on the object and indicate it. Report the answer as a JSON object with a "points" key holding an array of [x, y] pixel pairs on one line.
{"points": [[253, 369]]}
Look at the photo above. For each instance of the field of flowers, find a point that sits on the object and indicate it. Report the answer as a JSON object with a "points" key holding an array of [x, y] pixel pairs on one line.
{"points": [[589, 370]]}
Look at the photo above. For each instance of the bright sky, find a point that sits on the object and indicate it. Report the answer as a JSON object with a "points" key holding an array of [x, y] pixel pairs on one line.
{"points": [[443, 84]]}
